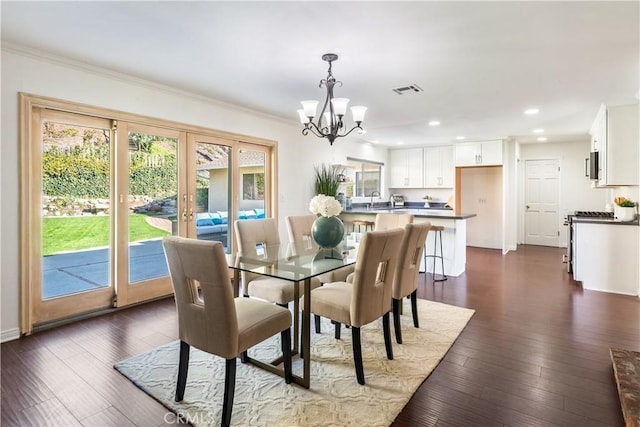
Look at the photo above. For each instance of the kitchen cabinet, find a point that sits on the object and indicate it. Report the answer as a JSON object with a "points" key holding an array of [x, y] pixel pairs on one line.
{"points": [[405, 168], [606, 257], [439, 171], [481, 153], [615, 136]]}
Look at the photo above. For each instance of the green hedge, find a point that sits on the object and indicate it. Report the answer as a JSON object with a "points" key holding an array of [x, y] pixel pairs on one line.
{"points": [[85, 175]]}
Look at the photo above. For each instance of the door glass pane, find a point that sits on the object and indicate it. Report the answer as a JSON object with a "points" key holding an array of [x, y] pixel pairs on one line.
{"points": [[213, 199], [75, 210], [252, 180], [153, 189]]}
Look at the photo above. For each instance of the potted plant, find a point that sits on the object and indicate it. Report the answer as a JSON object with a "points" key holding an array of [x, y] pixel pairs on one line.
{"points": [[624, 209], [327, 179]]}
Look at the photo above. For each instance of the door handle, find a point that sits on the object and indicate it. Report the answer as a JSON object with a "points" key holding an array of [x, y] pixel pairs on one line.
{"points": [[586, 167]]}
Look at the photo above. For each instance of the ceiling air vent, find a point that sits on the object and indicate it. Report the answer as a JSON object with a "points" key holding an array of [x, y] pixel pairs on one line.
{"points": [[410, 88]]}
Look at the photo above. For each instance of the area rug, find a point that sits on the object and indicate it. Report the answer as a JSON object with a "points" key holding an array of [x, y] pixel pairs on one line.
{"points": [[334, 399]]}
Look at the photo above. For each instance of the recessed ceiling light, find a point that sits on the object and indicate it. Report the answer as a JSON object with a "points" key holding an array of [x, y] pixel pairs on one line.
{"points": [[531, 111], [538, 131], [460, 138], [542, 139], [399, 143], [434, 123], [375, 141]]}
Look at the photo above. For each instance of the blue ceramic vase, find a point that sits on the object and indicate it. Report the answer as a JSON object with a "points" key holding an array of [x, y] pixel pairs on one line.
{"points": [[327, 231]]}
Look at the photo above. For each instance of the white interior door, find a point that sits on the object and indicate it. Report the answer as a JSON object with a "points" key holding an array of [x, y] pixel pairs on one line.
{"points": [[542, 224]]}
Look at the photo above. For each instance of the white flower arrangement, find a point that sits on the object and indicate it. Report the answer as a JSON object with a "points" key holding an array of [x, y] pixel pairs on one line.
{"points": [[326, 206]]}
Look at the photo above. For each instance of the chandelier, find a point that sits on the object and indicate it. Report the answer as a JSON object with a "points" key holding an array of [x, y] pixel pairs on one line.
{"points": [[329, 124]]}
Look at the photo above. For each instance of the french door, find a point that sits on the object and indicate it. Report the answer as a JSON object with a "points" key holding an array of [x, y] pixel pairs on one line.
{"points": [[148, 182], [99, 194], [227, 181], [68, 246]]}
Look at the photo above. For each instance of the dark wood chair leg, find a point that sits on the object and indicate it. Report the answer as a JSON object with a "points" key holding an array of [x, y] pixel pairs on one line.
{"points": [[387, 336], [244, 357], [414, 308], [357, 354], [301, 350], [396, 320], [337, 326], [285, 338], [229, 390], [316, 319], [183, 367]]}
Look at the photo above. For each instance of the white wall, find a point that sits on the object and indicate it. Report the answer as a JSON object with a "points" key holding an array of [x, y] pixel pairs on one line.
{"points": [[510, 164], [576, 193], [42, 75], [416, 194]]}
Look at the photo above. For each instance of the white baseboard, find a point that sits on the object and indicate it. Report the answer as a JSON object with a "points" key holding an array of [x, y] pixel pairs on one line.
{"points": [[10, 335]]}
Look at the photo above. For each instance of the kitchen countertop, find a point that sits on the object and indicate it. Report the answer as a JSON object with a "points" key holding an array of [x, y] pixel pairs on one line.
{"points": [[587, 220], [423, 213]]}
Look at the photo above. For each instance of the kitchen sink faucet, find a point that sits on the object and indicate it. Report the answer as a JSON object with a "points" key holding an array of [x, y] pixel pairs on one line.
{"points": [[373, 193]]}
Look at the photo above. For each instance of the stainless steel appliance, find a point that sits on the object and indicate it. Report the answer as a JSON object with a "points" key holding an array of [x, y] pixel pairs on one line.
{"points": [[397, 200], [569, 257], [594, 165]]}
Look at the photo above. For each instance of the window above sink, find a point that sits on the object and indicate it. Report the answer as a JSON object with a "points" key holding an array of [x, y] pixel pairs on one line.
{"points": [[365, 175]]}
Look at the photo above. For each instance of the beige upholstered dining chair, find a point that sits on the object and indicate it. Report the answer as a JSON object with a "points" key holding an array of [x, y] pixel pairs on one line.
{"points": [[368, 297], [248, 234], [298, 228], [387, 221], [218, 323], [405, 279]]}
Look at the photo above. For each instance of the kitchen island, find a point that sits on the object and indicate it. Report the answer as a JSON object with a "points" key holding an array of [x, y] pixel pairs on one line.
{"points": [[454, 236]]}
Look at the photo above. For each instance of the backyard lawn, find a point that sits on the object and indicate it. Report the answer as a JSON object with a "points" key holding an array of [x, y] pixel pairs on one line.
{"points": [[64, 234]]}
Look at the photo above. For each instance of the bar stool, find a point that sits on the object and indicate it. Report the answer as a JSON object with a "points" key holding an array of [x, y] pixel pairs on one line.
{"points": [[368, 225], [438, 230]]}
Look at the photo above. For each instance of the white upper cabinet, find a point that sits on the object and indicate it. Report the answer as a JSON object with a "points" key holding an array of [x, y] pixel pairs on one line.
{"points": [[482, 153], [439, 170], [405, 168], [615, 136]]}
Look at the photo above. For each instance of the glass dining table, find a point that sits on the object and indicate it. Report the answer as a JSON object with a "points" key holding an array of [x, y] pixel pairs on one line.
{"points": [[297, 262]]}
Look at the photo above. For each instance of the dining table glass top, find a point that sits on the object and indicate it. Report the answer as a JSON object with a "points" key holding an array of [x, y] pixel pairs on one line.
{"points": [[295, 261]]}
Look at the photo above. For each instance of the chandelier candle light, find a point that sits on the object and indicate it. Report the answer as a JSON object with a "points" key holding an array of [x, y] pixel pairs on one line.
{"points": [[329, 124]]}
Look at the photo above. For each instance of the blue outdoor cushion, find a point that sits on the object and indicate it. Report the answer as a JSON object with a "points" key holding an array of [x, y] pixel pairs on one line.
{"points": [[242, 215], [203, 222], [215, 218], [250, 214], [259, 213], [223, 217]]}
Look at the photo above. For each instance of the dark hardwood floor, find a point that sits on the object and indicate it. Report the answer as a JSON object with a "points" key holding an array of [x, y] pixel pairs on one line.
{"points": [[536, 352]]}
